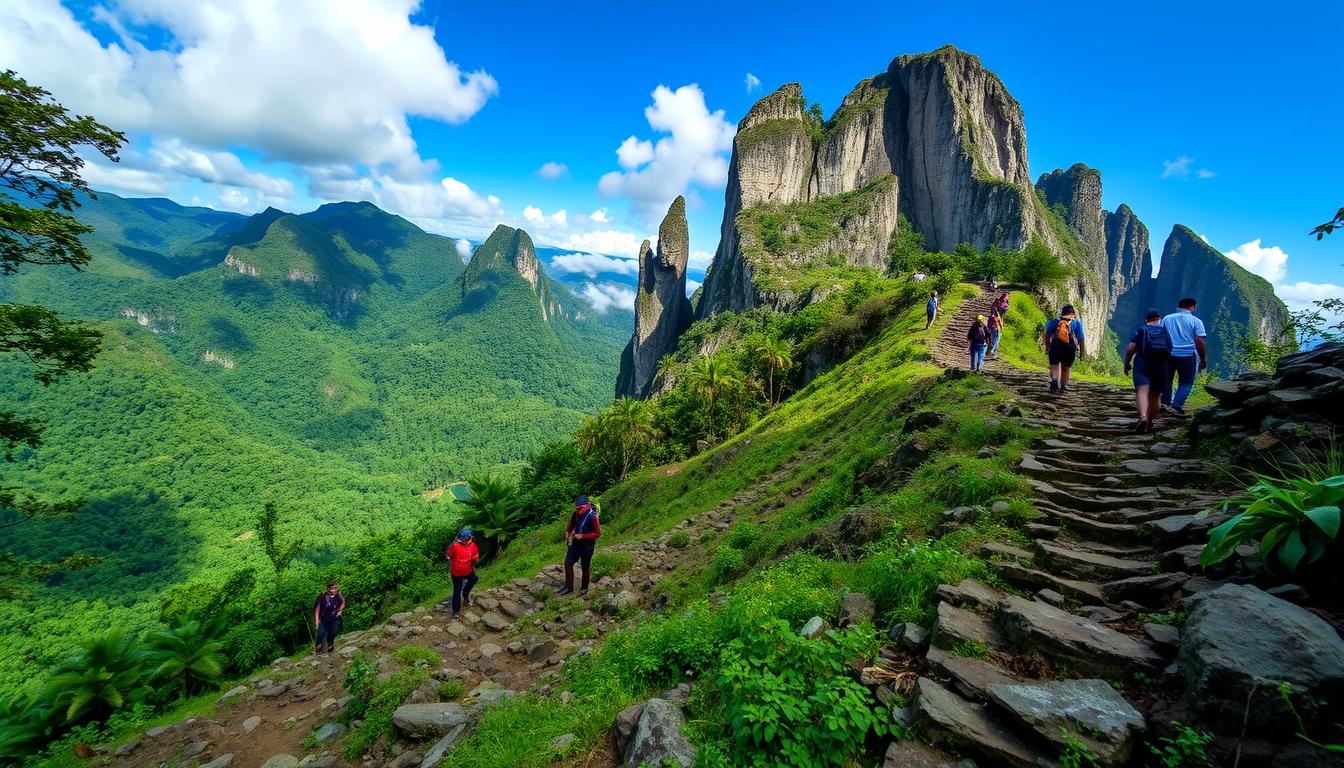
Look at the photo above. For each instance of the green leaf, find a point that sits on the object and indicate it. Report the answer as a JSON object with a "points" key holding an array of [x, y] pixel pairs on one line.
{"points": [[1292, 550], [1325, 518], [1221, 542], [1333, 482]]}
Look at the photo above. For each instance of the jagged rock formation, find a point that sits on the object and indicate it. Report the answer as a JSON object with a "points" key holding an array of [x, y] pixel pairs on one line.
{"points": [[662, 311], [1075, 196], [1233, 303], [1129, 264], [511, 249], [937, 138]]}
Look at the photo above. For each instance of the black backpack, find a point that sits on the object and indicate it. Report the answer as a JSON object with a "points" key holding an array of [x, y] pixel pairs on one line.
{"points": [[1155, 344]]}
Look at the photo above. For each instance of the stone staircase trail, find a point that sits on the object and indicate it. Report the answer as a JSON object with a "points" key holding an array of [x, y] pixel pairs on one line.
{"points": [[1007, 672]]}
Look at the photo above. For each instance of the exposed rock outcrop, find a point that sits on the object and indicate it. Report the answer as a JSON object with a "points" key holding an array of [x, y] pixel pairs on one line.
{"points": [[1233, 303], [1130, 266], [508, 249], [662, 311], [1075, 195], [936, 137]]}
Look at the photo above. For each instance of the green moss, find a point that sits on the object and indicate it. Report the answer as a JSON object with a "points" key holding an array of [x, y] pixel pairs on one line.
{"points": [[771, 130]]}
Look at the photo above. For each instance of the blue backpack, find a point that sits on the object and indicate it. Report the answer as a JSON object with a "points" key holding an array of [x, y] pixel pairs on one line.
{"points": [[1155, 344]]}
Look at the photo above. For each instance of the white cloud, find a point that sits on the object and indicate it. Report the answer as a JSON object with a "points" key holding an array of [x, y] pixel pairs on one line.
{"points": [[120, 178], [695, 151], [1182, 167], [304, 81], [633, 153], [1300, 295], [534, 215], [1270, 263], [592, 264], [233, 199], [218, 168], [603, 296], [753, 82], [552, 171], [611, 242], [692, 286], [699, 260], [463, 246], [599, 216]]}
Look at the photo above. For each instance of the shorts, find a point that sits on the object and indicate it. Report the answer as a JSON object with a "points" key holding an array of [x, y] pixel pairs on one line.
{"points": [[1148, 373], [1063, 354]]}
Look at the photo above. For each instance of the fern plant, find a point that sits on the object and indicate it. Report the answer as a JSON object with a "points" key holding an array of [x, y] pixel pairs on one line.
{"points": [[1295, 519]]}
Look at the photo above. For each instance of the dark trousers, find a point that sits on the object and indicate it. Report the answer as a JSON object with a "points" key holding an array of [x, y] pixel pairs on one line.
{"points": [[462, 589], [327, 629], [1181, 372], [581, 552]]}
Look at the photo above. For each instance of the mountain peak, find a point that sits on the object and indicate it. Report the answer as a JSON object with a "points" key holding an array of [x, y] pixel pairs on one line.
{"points": [[510, 249]]}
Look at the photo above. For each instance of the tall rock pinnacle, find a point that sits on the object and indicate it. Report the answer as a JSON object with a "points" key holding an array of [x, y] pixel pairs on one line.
{"points": [[662, 311]]}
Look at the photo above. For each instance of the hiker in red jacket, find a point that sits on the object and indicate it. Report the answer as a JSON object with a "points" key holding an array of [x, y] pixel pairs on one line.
{"points": [[581, 536], [462, 557]]}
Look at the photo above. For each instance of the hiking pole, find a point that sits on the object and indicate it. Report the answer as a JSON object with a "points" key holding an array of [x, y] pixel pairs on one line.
{"points": [[311, 636]]}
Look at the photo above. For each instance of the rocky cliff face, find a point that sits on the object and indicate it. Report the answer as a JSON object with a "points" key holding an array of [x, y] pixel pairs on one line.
{"points": [[511, 249], [662, 311], [1233, 303], [1130, 266], [936, 137], [1075, 196]]}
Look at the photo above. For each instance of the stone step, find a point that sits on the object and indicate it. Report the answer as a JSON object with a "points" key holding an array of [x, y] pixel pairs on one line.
{"points": [[1086, 647], [996, 550], [1130, 552], [969, 593], [1080, 499], [1081, 564], [968, 676], [946, 718], [960, 627], [1080, 525], [1155, 591], [1028, 578]]}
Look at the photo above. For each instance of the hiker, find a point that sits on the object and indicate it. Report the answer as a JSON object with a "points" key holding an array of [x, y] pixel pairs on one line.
{"points": [[1001, 304], [1149, 350], [1188, 355], [995, 326], [1064, 344], [978, 336], [327, 610], [581, 538], [931, 309], [462, 557]]}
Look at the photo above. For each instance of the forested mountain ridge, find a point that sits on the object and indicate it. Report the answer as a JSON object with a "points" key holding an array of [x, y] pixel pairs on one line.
{"points": [[327, 361]]}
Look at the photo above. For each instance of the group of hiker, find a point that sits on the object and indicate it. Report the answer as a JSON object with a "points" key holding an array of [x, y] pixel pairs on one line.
{"points": [[1164, 355], [581, 534]]}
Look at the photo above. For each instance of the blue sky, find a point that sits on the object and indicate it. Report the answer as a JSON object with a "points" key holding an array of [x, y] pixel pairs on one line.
{"points": [[1223, 119]]}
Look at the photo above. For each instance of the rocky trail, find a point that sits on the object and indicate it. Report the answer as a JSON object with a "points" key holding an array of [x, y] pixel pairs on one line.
{"points": [[1071, 654]]}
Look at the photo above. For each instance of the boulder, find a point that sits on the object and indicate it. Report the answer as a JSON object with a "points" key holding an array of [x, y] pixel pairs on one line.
{"points": [[426, 720], [924, 420], [493, 621], [814, 627], [435, 754], [127, 748], [1087, 710], [947, 718], [623, 730], [1088, 647], [659, 738], [1239, 644], [328, 732], [618, 601], [856, 608], [912, 638], [281, 761], [912, 754], [562, 742], [405, 760]]}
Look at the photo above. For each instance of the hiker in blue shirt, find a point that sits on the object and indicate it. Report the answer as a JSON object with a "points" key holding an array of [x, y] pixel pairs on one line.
{"points": [[1063, 341], [1149, 350], [1188, 355], [931, 309]]}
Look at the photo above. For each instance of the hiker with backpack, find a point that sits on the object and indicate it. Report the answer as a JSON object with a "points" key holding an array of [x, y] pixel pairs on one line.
{"points": [[1188, 355], [1001, 304], [327, 611], [995, 326], [1147, 354], [931, 309], [462, 556], [978, 337], [581, 539], [1064, 344]]}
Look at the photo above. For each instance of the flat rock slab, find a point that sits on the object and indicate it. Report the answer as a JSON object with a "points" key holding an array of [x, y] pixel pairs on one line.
{"points": [[1238, 639], [1090, 565], [969, 676], [1025, 576], [1089, 710], [963, 726], [912, 754], [223, 761], [957, 626], [495, 622], [435, 754], [426, 720], [1088, 647], [969, 593], [281, 761]]}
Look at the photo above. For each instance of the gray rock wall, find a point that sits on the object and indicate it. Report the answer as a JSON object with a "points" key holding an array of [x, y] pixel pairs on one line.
{"points": [[662, 311]]}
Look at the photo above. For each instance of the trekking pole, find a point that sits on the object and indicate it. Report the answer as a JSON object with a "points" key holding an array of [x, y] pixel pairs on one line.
{"points": [[311, 637]]}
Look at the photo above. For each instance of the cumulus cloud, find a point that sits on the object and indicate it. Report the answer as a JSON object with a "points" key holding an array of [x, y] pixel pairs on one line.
{"points": [[592, 264], [1300, 295], [233, 199], [305, 81], [551, 171], [603, 296], [218, 168], [753, 82], [463, 246], [1270, 263], [699, 260], [1183, 167], [692, 286], [535, 216], [612, 242], [599, 216], [694, 151], [121, 178]]}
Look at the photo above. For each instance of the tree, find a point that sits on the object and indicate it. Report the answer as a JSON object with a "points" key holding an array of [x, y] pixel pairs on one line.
{"points": [[106, 675], [1038, 268], [712, 377], [775, 355], [39, 183], [906, 246], [618, 438], [1330, 226], [279, 555], [188, 653], [491, 510]]}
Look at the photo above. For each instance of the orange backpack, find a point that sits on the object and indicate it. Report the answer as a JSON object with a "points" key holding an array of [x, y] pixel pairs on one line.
{"points": [[1064, 331]]}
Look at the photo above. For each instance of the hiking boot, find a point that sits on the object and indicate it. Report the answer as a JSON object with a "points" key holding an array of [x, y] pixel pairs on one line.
{"points": [[317, 650], [457, 617], [466, 601], [1178, 410], [331, 648], [1138, 427], [565, 591], [1054, 386], [1063, 388], [583, 592], [1144, 428]]}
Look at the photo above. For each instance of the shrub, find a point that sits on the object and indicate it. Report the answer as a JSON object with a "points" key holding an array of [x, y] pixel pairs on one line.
{"points": [[790, 700], [1295, 519], [728, 563], [829, 497], [679, 540], [743, 536], [451, 690], [612, 562], [902, 582], [385, 699], [417, 656], [1185, 748], [1037, 268]]}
